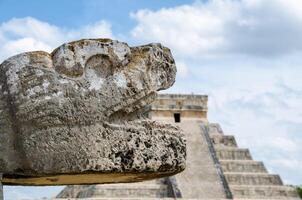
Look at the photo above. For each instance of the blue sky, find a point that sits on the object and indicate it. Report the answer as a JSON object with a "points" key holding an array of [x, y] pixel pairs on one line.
{"points": [[71, 14], [245, 54]]}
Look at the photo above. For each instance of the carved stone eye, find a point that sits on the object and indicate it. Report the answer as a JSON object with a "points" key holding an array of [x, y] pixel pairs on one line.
{"points": [[75, 71], [100, 64]]}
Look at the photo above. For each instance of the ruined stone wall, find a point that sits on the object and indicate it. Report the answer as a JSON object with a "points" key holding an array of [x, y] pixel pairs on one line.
{"points": [[189, 107]]}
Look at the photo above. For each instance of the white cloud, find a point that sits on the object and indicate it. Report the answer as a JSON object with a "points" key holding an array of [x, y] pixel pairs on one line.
{"points": [[223, 27], [262, 107], [28, 34], [182, 69], [246, 55], [100, 29]]}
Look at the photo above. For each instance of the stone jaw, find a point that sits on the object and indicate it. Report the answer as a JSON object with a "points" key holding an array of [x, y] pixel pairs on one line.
{"points": [[71, 117]]}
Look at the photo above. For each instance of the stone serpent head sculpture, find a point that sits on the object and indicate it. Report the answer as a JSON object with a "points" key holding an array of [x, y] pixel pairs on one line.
{"points": [[74, 116]]}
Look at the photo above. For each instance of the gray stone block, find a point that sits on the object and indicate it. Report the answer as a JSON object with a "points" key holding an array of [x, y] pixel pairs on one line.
{"points": [[252, 179], [244, 166], [120, 190], [264, 192], [223, 140], [73, 116], [229, 153]]}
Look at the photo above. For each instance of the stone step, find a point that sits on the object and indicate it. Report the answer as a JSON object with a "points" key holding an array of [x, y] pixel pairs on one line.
{"points": [[264, 192], [133, 190], [245, 166], [119, 198], [254, 198], [126, 198], [130, 190], [252, 179], [223, 140], [229, 153], [214, 128]]}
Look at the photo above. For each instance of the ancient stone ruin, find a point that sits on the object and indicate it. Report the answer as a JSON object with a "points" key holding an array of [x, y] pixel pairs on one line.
{"points": [[74, 116], [216, 167], [82, 115]]}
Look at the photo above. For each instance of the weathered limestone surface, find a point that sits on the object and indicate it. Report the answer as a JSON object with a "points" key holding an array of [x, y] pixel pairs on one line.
{"points": [[200, 180], [147, 189], [73, 116]]}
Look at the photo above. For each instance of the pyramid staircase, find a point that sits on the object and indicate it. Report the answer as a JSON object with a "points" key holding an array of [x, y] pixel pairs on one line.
{"points": [[246, 178], [154, 189]]}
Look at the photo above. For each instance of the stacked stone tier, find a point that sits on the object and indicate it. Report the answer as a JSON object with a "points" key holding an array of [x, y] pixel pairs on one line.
{"points": [[148, 189], [246, 178], [242, 166], [264, 192], [232, 153], [151, 190], [252, 179]]}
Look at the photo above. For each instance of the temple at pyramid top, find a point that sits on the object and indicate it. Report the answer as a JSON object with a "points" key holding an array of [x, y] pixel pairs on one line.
{"points": [[175, 107], [217, 167]]}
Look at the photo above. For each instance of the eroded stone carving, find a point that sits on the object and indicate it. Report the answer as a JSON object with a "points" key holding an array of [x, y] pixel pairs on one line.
{"points": [[73, 116]]}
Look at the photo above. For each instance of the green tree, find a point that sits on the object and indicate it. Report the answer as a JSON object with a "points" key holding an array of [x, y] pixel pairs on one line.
{"points": [[299, 190]]}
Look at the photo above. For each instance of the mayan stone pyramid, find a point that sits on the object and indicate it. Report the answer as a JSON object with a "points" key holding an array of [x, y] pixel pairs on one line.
{"points": [[216, 167]]}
